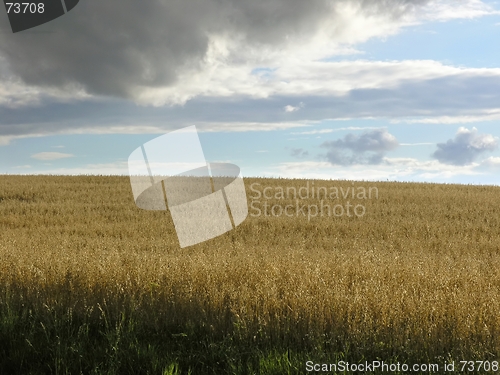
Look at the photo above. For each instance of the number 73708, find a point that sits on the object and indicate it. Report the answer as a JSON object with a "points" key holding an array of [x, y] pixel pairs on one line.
{"points": [[28, 7]]}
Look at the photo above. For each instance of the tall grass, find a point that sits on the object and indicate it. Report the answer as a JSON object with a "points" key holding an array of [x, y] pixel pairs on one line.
{"points": [[91, 284]]}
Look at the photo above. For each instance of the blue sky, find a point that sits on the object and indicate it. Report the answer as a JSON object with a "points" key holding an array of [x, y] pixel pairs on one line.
{"points": [[362, 92]]}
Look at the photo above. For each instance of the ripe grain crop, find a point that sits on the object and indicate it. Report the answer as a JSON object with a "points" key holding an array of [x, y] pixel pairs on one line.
{"points": [[89, 283]]}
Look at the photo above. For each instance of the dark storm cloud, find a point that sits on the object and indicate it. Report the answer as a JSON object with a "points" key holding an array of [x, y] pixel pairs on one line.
{"points": [[465, 148], [367, 148], [112, 47], [115, 48]]}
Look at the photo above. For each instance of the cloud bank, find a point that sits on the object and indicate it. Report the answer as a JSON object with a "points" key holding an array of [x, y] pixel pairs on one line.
{"points": [[141, 51], [229, 65]]}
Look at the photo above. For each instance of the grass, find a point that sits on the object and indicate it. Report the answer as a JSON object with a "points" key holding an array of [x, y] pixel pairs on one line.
{"points": [[90, 284]]}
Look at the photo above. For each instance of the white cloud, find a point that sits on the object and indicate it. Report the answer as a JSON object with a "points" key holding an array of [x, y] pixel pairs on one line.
{"points": [[117, 168], [465, 148], [51, 156], [247, 126], [290, 108], [491, 162], [327, 131], [444, 10], [417, 144], [310, 132], [6, 140], [484, 115]]}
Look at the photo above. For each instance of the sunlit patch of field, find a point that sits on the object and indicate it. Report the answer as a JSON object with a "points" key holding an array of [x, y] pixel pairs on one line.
{"points": [[89, 283]]}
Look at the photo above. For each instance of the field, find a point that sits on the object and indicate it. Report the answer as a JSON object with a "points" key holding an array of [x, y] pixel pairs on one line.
{"points": [[90, 284]]}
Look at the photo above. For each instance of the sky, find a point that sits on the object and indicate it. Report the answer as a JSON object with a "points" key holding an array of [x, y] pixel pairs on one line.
{"points": [[375, 90]]}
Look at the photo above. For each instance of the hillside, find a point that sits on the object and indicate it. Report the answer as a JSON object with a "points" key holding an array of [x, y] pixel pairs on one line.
{"points": [[89, 283]]}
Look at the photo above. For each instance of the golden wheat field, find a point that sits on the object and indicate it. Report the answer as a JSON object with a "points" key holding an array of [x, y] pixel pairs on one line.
{"points": [[416, 278]]}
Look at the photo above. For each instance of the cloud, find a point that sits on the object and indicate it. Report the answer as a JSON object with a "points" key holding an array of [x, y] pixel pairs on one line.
{"points": [[26, 166], [246, 126], [491, 162], [392, 169], [326, 131], [410, 93], [290, 108], [307, 78], [485, 115], [103, 169], [299, 153], [311, 132], [445, 10], [170, 51], [465, 148], [51, 156], [130, 125], [367, 148], [223, 60], [417, 144]]}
